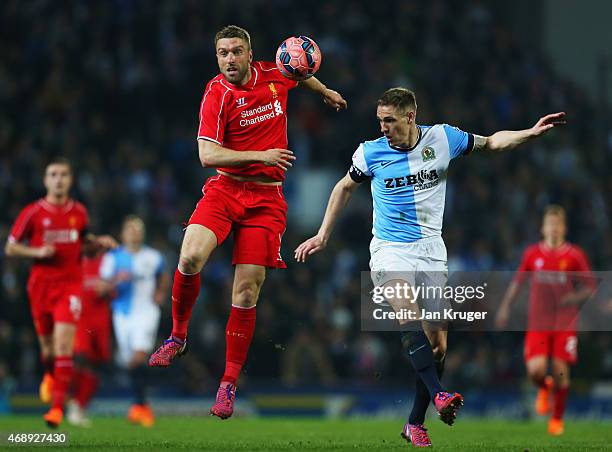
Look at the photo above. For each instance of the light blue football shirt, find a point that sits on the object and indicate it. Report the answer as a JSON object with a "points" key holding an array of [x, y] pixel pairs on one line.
{"points": [[143, 268], [409, 185]]}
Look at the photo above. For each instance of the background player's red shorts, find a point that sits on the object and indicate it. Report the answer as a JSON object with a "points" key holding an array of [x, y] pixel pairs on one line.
{"points": [[53, 301], [257, 214], [93, 336], [557, 344]]}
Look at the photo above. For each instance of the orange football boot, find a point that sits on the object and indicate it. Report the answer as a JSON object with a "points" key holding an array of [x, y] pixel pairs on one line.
{"points": [[555, 427], [45, 390], [135, 413], [542, 402], [54, 417], [147, 419]]}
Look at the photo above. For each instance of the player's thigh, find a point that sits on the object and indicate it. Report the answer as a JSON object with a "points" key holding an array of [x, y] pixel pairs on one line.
{"points": [[123, 330], [144, 330], [537, 366], [198, 243], [248, 280]]}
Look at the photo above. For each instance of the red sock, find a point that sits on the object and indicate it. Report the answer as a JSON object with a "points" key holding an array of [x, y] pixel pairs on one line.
{"points": [[238, 335], [86, 387], [62, 376], [185, 290], [560, 397]]}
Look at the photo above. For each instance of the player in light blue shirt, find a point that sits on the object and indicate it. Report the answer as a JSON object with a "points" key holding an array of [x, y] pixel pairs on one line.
{"points": [[407, 169], [135, 276]]}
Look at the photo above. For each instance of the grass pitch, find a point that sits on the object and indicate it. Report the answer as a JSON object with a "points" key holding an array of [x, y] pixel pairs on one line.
{"points": [[257, 434]]}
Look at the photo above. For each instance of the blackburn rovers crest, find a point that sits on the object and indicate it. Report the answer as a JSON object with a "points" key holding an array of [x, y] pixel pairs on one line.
{"points": [[428, 153]]}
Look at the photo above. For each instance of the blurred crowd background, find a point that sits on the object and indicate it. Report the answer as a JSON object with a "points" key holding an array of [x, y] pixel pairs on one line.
{"points": [[115, 86]]}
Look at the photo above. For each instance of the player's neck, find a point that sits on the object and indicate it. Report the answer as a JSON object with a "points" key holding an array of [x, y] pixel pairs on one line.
{"points": [[554, 244], [246, 79], [133, 247], [413, 136], [56, 200], [411, 139]]}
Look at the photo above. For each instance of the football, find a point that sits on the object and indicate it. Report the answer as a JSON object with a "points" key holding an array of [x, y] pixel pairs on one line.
{"points": [[298, 58]]}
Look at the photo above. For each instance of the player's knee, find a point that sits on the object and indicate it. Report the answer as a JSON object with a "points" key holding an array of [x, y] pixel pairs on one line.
{"points": [[439, 351], [537, 374], [191, 261], [247, 293]]}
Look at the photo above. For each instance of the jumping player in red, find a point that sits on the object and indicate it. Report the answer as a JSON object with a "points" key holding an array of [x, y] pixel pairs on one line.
{"points": [[242, 133], [56, 228], [554, 302], [92, 346]]}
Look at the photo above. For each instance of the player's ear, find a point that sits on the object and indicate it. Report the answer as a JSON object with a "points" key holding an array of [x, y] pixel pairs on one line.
{"points": [[250, 55]]}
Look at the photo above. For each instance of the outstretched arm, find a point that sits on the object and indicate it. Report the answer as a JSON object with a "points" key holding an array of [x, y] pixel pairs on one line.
{"points": [[503, 313], [332, 98], [213, 155], [338, 199], [510, 139]]}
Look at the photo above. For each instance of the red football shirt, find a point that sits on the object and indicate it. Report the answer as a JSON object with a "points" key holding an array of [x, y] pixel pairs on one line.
{"points": [[554, 272], [252, 117], [42, 223]]}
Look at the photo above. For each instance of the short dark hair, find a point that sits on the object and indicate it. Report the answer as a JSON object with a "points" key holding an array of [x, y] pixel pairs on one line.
{"points": [[400, 98], [233, 31], [59, 160]]}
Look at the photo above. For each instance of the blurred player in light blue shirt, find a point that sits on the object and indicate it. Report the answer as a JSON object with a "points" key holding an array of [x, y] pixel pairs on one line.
{"points": [[407, 169], [135, 274]]}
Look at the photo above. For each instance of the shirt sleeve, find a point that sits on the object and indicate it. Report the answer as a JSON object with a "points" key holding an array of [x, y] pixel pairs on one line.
{"points": [[107, 266], [213, 114], [359, 171], [522, 274], [22, 228], [459, 142], [268, 66], [586, 276]]}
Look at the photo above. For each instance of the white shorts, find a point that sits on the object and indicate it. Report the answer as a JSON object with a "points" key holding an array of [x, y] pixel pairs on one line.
{"points": [[136, 331], [420, 263]]}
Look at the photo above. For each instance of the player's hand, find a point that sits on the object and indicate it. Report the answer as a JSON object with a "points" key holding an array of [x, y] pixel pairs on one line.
{"points": [[159, 297], [45, 252], [545, 123], [106, 242], [502, 317], [334, 99], [281, 158], [309, 247]]}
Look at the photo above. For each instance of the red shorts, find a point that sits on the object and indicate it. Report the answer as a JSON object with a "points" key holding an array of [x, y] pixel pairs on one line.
{"points": [[557, 344], [255, 213], [53, 301], [93, 336]]}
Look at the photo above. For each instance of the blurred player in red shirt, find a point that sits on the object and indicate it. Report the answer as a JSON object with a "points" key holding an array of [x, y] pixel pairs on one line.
{"points": [[55, 229], [243, 133], [556, 293], [92, 346]]}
